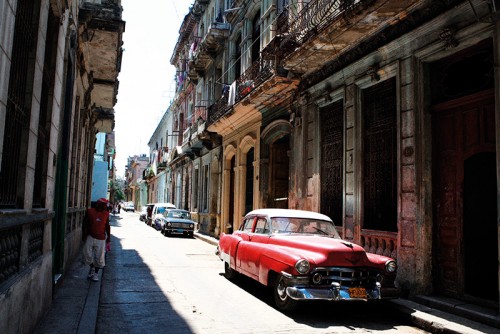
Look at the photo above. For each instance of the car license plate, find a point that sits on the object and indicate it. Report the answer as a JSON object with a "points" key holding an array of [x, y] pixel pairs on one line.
{"points": [[357, 292]]}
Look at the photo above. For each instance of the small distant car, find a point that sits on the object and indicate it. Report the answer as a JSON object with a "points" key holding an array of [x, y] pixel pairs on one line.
{"points": [[302, 257], [176, 221], [128, 206]]}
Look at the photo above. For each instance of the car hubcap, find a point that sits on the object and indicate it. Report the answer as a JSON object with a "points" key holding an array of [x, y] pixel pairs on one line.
{"points": [[280, 289]]}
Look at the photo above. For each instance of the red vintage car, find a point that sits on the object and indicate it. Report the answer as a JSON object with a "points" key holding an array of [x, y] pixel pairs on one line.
{"points": [[302, 257]]}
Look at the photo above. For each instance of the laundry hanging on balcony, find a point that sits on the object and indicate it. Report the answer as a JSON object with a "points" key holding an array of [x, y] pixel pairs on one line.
{"points": [[232, 94]]}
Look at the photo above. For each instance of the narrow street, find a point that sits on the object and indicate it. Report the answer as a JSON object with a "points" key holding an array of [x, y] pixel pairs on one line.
{"points": [[158, 284]]}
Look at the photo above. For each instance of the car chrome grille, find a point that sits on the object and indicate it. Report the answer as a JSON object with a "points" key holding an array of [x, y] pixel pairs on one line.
{"points": [[181, 225], [348, 277]]}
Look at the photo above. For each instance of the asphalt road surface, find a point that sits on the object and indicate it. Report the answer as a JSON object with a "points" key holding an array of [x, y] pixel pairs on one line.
{"points": [[158, 284]]}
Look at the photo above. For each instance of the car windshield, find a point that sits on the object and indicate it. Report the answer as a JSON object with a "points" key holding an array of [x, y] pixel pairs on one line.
{"points": [[303, 226], [179, 214]]}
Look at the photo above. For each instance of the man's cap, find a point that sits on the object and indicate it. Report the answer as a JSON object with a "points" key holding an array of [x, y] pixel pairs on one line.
{"points": [[102, 200]]}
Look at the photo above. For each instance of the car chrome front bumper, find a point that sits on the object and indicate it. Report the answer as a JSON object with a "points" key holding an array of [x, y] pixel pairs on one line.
{"points": [[333, 293], [177, 231]]}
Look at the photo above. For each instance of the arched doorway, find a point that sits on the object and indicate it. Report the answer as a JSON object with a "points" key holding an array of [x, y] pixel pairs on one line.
{"points": [[464, 185], [275, 165]]}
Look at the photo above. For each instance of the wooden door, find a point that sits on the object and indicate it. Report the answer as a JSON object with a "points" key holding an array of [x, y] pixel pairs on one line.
{"points": [[464, 197], [332, 161], [280, 171]]}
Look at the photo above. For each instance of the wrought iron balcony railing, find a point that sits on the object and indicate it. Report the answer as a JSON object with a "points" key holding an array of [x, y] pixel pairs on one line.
{"points": [[106, 10], [260, 71], [298, 24]]}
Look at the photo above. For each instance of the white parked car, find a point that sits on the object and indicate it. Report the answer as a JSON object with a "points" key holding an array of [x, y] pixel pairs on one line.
{"points": [[128, 206], [159, 210]]}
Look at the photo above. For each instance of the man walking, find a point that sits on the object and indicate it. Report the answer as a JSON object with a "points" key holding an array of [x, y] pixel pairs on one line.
{"points": [[97, 232]]}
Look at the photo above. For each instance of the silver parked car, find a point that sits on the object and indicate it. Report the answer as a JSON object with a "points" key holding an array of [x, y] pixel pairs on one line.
{"points": [[176, 221]]}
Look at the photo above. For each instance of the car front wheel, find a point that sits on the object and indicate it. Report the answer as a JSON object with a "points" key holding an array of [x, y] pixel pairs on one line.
{"points": [[282, 300]]}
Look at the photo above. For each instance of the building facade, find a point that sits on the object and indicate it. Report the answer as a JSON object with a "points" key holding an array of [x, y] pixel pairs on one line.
{"points": [[194, 164], [411, 134], [384, 115], [134, 174], [157, 173], [55, 95]]}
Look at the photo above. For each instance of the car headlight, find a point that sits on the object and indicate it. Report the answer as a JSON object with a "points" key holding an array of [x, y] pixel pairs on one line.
{"points": [[391, 266], [169, 224], [302, 266]]}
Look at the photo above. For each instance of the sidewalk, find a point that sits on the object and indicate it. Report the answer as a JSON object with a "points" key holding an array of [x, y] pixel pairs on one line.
{"points": [[76, 301], [75, 304]]}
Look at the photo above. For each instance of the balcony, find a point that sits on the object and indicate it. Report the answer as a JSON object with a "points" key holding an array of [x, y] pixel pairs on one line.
{"points": [[196, 137], [380, 242], [323, 30], [262, 85], [203, 51], [100, 29], [162, 158]]}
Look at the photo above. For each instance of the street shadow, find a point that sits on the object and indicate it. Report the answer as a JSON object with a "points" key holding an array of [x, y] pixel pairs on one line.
{"points": [[131, 301], [373, 315], [182, 236], [115, 220]]}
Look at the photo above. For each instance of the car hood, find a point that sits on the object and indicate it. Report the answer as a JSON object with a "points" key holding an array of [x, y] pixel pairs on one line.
{"points": [[179, 220], [325, 251]]}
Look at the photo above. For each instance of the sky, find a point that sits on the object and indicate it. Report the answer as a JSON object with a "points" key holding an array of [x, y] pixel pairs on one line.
{"points": [[146, 80]]}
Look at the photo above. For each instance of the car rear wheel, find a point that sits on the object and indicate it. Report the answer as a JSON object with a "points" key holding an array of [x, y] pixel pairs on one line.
{"points": [[282, 300], [229, 272]]}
